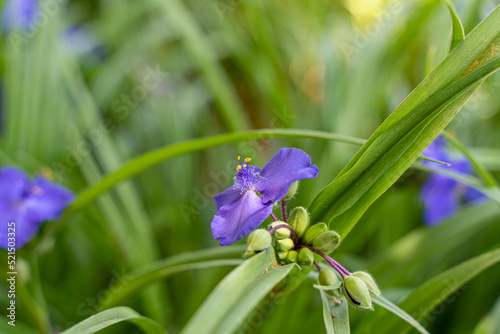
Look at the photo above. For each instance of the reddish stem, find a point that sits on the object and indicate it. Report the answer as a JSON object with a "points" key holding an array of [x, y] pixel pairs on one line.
{"points": [[295, 237], [283, 210], [341, 270]]}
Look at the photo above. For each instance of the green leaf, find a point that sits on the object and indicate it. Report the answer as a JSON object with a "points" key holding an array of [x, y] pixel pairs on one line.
{"points": [[490, 324], [201, 52], [492, 192], [335, 315], [113, 316], [433, 292], [396, 144], [237, 295], [142, 276], [327, 313], [391, 307], [483, 172], [415, 252], [151, 159], [327, 287], [128, 286], [457, 30]]}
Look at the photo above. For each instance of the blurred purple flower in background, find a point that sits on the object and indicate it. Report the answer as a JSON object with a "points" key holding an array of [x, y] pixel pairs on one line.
{"points": [[441, 194], [79, 41], [19, 14], [240, 209], [28, 204]]}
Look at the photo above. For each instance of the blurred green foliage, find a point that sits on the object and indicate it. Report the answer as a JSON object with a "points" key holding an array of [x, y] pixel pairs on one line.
{"points": [[168, 71]]}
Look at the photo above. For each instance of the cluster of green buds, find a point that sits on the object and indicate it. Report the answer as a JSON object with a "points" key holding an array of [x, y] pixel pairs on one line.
{"points": [[297, 241], [357, 287]]}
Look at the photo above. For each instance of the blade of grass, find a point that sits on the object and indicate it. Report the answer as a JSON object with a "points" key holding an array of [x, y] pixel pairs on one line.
{"points": [[457, 29], [389, 306], [113, 316], [142, 276], [236, 295], [410, 128], [433, 292], [483, 172], [156, 157]]}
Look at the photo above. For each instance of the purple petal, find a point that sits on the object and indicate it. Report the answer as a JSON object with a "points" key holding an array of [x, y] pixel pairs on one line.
{"points": [[227, 197], [19, 14], [474, 196], [239, 218], [25, 228], [440, 200], [48, 200], [13, 183], [287, 166]]}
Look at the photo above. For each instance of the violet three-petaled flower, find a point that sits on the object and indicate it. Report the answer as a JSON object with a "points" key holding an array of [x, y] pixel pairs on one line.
{"points": [[244, 206], [19, 14], [28, 204], [441, 194]]}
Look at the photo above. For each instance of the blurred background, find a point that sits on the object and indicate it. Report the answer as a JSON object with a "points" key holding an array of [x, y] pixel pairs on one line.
{"points": [[88, 85]]}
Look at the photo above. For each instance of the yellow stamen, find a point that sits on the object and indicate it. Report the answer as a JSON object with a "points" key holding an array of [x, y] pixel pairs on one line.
{"points": [[238, 168], [47, 173], [239, 158], [244, 165], [247, 159]]}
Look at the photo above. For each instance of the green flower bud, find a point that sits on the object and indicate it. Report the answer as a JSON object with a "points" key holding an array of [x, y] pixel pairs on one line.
{"points": [[299, 220], [327, 241], [306, 257], [369, 281], [283, 255], [356, 292], [285, 244], [291, 191], [328, 278], [282, 233], [313, 231], [276, 223], [293, 256], [258, 240]]}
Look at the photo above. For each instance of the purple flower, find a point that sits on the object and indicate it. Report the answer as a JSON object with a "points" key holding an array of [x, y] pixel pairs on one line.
{"points": [[78, 40], [28, 204], [19, 14], [441, 194], [244, 206]]}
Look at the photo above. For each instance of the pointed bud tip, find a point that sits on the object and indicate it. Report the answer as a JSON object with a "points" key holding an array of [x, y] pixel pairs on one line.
{"points": [[299, 220], [313, 232], [258, 240], [369, 281], [327, 241], [357, 293]]}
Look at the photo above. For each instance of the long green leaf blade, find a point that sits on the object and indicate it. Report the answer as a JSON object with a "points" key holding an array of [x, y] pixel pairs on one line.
{"points": [[391, 307], [142, 276], [433, 292], [151, 159], [410, 128], [236, 295], [457, 29], [113, 316]]}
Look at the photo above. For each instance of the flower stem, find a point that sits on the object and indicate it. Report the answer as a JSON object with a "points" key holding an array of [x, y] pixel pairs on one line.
{"points": [[317, 265], [295, 237], [283, 210], [341, 270], [274, 217]]}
